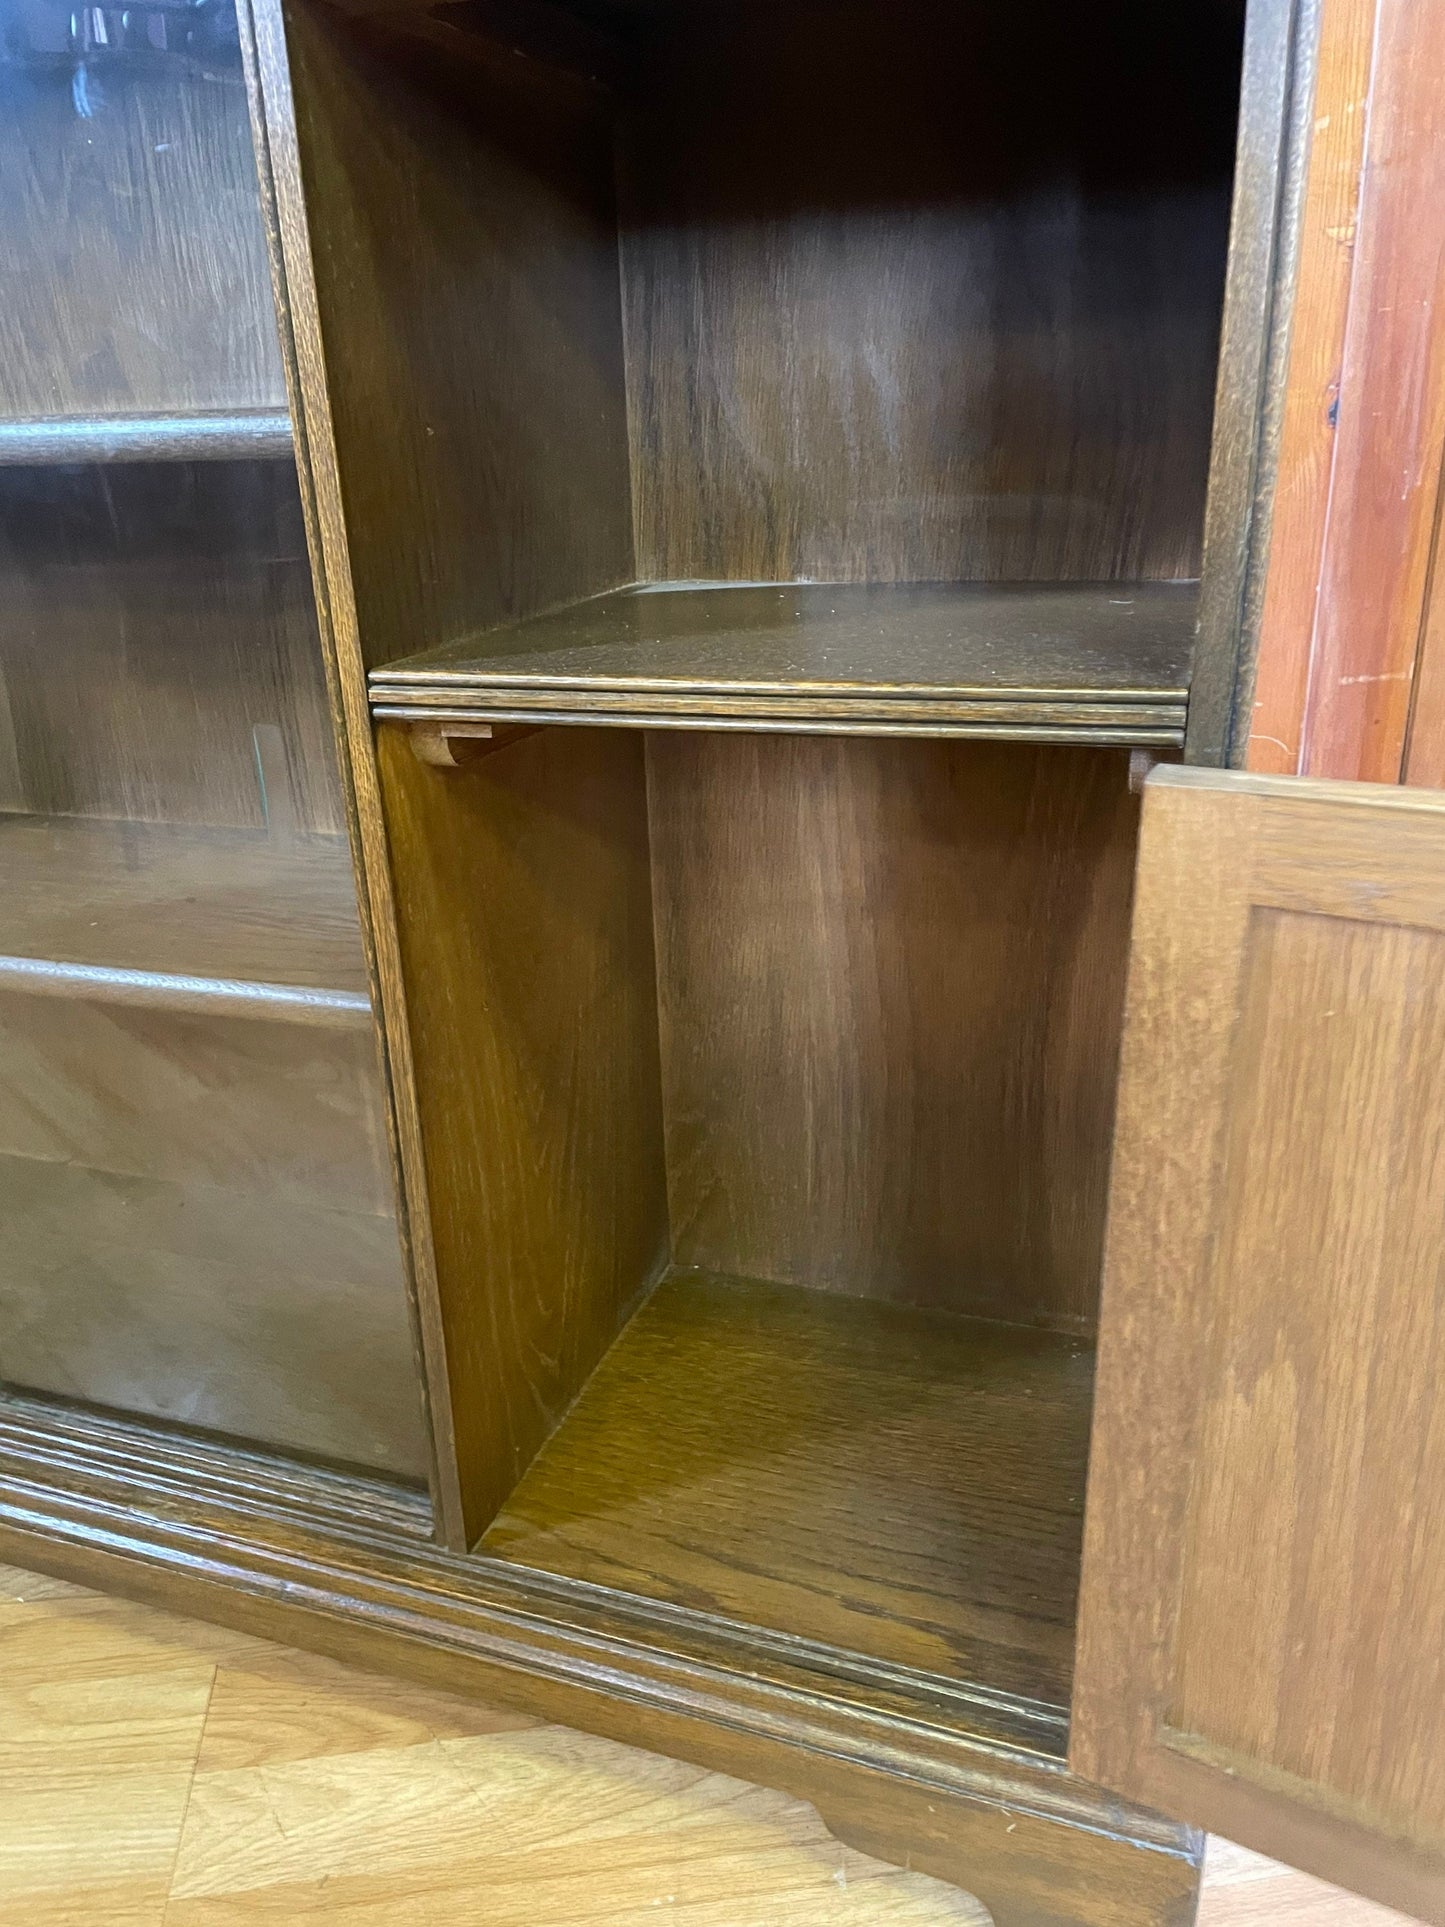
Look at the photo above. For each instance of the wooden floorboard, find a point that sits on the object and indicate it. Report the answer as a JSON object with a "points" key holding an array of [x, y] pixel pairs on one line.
{"points": [[157, 1772], [888, 1481]]}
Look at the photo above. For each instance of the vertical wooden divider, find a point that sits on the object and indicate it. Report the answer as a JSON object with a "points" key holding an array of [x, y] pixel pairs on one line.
{"points": [[524, 911], [443, 238]]}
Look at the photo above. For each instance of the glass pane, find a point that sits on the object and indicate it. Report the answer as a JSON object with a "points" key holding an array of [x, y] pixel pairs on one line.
{"points": [[194, 1181]]}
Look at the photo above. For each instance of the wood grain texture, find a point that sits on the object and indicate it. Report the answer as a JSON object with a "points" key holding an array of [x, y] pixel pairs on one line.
{"points": [[258, 1102], [660, 1833], [171, 1463], [102, 1721], [322, 1793], [152, 618], [199, 1211], [274, 133], [887, 1482], [1349, 1022], [1261, 1613], [134, 276], [927, 658], [1391, 441], [525, 920], [200, 1224], [1243, 1889], [1328, 227], [1425, 743], [463, 241], [891, 981], [1039, 1848], [240, 1312], [274, 1705], [464, 487], [903, 306], [232, 905], [1276, 90], [371, 1832]]}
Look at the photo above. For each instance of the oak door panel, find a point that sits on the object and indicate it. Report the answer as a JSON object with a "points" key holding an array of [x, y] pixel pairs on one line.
{"points": [[1262, 1625]]}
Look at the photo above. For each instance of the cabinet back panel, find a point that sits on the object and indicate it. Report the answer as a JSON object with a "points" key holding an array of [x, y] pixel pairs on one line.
{"points": [[925, 292], [891, 980], [464, 242]]}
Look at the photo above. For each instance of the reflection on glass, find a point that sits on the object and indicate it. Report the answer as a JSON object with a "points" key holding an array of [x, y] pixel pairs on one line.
{"points": [[193, 1174]]}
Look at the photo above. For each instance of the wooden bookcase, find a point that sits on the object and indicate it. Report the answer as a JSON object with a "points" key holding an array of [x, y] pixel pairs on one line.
{"points": [[776, 477], [762, 461]]}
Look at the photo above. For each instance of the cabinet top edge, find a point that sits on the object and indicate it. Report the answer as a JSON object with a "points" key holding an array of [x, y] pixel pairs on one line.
{"points": [[1373, 796]]}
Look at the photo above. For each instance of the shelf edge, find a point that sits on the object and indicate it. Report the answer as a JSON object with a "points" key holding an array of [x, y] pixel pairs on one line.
{"points": [[176, 991], [1122, 726], [261, 434]]}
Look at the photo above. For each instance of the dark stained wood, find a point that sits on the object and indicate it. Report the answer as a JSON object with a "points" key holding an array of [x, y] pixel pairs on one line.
{"points": [[327, 1563], [903, 305], [234, 1309], [465, 260], [197, 1199], [1109, 660], [1275, 100], [888, 1482], [1264, 1595], [133, 275], [153, 618], [198, 1221], [525, 920], [891, 980], [409, 313], [452, 337], [192, 1468], [135, 1091], [208, 437], [233, 906]]}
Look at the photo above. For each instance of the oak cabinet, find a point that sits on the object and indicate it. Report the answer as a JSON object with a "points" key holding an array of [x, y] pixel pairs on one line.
{"points": [[1262, 1589], [786, 486]]}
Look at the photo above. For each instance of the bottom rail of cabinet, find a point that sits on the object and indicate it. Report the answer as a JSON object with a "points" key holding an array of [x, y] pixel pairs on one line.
{"points": [[952, 1789]]}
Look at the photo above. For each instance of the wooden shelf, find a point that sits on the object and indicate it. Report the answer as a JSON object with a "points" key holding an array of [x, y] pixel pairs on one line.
{"points": [[243, 435], [899, 1484], [1100, 662], [182, 917]]}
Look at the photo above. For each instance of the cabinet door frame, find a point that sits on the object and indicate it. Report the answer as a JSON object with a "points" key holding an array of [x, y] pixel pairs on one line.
{"points": [[1219, 848]]}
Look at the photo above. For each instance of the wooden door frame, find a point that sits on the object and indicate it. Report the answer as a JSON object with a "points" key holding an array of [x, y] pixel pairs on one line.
{"points": [[1350, 669]]}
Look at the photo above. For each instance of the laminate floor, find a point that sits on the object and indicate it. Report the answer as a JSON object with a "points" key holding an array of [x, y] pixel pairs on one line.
{"points": [[157, 1772]]}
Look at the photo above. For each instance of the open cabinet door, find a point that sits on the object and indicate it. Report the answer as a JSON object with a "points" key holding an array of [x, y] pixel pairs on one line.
{"points": [[1262, 1623]]}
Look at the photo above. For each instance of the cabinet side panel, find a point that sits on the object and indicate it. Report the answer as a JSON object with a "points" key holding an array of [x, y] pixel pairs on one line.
{"points": [[525, 918], [463, 238], [891, 989]]}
